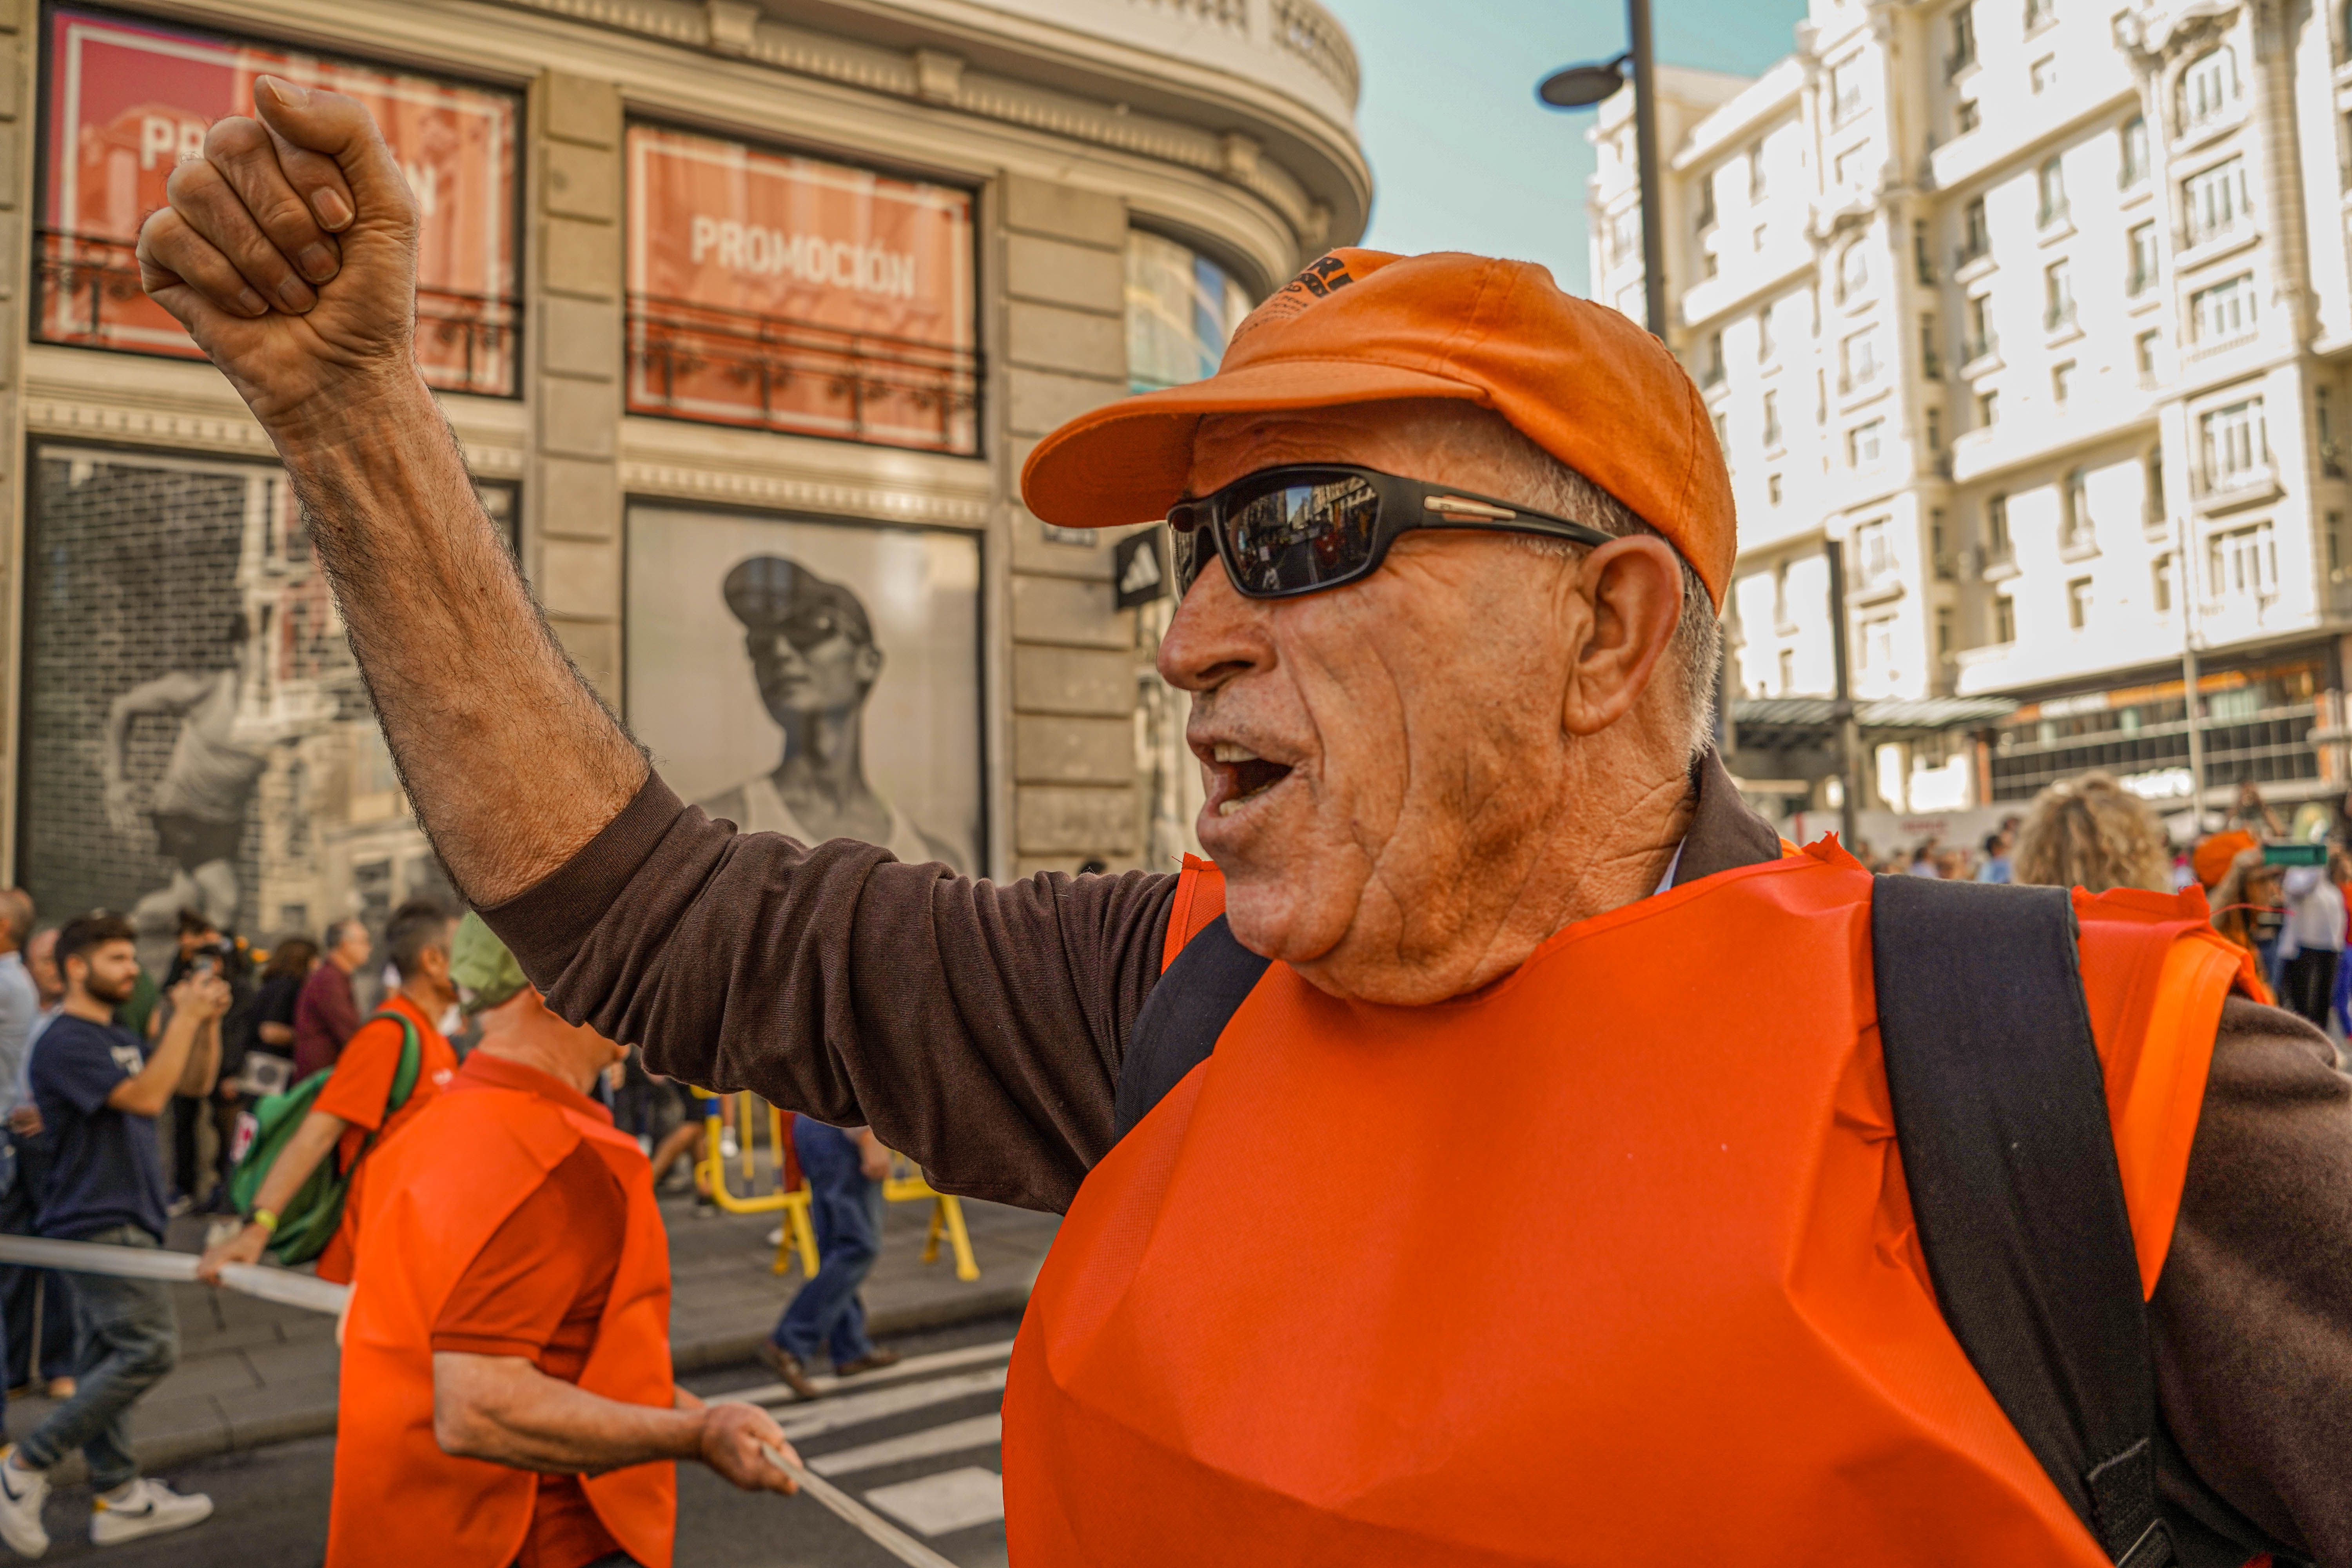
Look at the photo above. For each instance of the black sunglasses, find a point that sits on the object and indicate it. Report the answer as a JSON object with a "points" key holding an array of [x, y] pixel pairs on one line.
{"points": [[1305, 527]]}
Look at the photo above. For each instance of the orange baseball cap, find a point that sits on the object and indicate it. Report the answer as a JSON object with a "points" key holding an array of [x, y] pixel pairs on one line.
{"points": [[1363, 326]]}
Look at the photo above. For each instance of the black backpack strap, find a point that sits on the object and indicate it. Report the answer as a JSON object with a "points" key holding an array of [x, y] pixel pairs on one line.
{"points": [[2000, 1113], [1187, 1010]]}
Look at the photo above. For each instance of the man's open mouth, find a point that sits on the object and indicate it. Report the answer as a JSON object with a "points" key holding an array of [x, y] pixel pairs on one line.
{"points": [[1247, 775]]}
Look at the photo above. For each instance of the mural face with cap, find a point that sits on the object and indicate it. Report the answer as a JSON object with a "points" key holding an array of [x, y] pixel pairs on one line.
{"points": [[811, 646]]}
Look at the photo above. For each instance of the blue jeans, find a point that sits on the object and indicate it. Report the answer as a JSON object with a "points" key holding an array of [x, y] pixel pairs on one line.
{"points": [[847, 1210], [126, 1338]]}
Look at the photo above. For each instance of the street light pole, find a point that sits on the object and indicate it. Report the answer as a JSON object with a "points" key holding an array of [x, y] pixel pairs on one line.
{"points": [[1581, 87], [1645, 153]]}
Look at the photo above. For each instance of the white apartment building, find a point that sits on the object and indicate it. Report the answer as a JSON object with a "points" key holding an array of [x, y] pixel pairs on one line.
{"points": [[2042, 311]]}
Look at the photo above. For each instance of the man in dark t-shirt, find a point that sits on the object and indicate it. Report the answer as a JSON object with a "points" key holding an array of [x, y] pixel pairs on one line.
{"points": [[100, 1090]]}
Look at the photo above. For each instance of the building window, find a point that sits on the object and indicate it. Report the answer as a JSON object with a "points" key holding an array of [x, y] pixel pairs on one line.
{"points": [[2209, 88], [2078, 603], [1855, 168], [1939, 557], [1705, 219], [1964, 40], [1765, 344], [1935, 429], [2074, 527], [2040, 14], [1772, 438], [2160, 583], [2058, 296], [2004, 619], [1723, 433], [1756, 181], [2152, 487], [1854, 272], [1988, 408], [1876, 647], [2062, 382], [1862, 443], [1923, 267], [2225, 311], [1996, 546], [2043, 74], [2216, 200], [1976, 232], [2244, 563], [2141, 275], [1967, 118], [2133, 164], [1858, 361], [1931, 363], [1625, 237], [1873, 552], [1981, 338], [1709, 264], [1180, 309], [1772, 489], [1845, 91], [2335, 546], [2331, 455], [1944, 634], [1711, 369], [2144, 349], [129, 100], [2236, 444], [743, 310], [1787, 670], [2050, 185]]}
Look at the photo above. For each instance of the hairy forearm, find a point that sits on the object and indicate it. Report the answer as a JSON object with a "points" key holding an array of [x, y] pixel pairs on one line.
{"points": [[511, 761], [505, 1410], [204, 1060]]}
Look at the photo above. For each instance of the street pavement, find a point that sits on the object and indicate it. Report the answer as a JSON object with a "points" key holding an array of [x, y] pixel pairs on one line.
{"points": [[918, 1442], [253, 1374]]}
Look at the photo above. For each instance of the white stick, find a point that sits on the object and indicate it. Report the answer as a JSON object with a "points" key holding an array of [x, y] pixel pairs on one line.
{"points": [[279, 1285], [869, 1523]]}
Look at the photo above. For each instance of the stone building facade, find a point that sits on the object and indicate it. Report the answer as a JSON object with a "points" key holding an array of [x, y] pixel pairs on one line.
{"points": [[2042, 309], [707, 286]]}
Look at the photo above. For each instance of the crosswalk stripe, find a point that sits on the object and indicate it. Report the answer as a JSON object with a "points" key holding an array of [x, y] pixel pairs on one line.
{"points": [[954, 1438], [951, 1501], [913, 1366], [831, 1415]]}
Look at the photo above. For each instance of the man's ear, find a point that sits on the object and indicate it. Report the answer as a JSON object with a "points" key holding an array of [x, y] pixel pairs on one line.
{"points": [[1633, 589]]}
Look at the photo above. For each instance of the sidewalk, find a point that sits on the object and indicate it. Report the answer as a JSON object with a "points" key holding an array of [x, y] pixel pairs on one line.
{"points": [[252, 1373]]}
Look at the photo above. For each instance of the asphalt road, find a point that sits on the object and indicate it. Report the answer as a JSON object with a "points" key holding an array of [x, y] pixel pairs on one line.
{"points": [[919, 1448]]}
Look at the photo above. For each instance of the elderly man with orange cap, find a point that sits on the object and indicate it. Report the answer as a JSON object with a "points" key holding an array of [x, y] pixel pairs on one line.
{"points": [[1507, 1152]]}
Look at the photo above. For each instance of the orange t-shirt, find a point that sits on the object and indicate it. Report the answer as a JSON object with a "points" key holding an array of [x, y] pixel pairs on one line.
{"points": [[537, 1290], [357, 1091]]}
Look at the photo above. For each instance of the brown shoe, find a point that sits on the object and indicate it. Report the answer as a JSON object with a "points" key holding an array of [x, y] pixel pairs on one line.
{"points": [[874, 1360], [787, 1368]]}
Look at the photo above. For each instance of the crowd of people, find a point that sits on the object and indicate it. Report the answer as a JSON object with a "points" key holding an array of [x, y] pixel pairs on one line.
{"points": [[2278, 888]]}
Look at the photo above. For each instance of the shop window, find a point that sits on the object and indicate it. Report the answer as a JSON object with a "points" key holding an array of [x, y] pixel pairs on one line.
{"points": [[1182, 308], [791, 293], [184, 647], [129, 99]]}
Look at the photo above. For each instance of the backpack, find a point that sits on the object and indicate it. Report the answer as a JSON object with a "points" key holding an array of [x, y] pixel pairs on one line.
{"points": [[312, 1214], [2006, 1147]]}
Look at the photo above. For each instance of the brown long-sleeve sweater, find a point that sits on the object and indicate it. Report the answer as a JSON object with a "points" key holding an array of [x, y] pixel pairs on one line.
{"points": [[980, 1028]]}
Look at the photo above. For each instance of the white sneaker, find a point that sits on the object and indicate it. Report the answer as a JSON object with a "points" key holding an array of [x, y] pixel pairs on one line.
{"points": [[22, 1493], [142, 1506]]}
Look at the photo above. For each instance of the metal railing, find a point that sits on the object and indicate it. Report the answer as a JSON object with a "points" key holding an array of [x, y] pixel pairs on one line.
{"points": [[735, 367], [88, 293]]}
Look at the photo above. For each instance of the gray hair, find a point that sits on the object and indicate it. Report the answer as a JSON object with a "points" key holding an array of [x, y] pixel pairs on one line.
{"points": [[1697, 647]]}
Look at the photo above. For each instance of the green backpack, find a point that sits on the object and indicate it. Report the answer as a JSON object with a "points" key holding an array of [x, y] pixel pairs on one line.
{"points": [[311, 1216]]}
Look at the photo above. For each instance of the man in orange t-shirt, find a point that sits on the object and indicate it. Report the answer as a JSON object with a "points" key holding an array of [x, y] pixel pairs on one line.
{"points": [[355, 1106]]}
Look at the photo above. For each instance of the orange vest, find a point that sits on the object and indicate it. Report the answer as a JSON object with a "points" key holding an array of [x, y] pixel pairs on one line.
{"points": [[1612, 1261], [436, 1197]]}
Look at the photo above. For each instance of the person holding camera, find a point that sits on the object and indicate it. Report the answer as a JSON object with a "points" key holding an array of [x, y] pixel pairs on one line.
{"points": [[202, 949]]}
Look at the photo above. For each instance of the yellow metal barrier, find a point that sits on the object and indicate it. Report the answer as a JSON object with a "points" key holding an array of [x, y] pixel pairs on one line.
{"points": [[905, 1183]]}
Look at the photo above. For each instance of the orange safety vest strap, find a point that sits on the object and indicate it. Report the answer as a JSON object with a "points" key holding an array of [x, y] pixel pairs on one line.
{"points": [[1200, 899]]}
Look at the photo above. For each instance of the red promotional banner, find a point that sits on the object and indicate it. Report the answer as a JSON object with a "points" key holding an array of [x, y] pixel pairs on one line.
{"points": [[126, 101], [799, 295]]}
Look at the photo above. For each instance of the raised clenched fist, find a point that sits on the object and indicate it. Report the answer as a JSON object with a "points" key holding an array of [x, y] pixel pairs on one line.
{"points": [[288, 251]]}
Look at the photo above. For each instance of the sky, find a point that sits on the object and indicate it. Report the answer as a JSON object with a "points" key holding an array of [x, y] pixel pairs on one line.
{"points": [[1464, 158]]}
